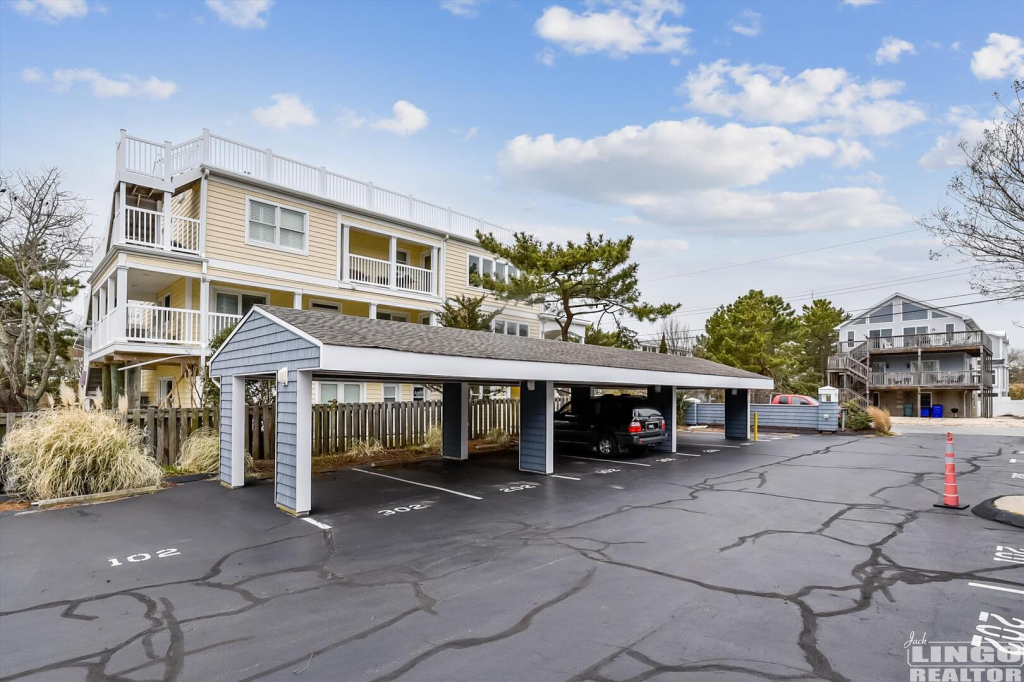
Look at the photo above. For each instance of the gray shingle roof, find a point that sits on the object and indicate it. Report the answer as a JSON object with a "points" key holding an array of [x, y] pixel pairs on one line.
{"points": [[333, 329]]}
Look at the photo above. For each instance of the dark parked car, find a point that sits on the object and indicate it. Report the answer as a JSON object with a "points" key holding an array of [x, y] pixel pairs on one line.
{"points": [[610, 423]]}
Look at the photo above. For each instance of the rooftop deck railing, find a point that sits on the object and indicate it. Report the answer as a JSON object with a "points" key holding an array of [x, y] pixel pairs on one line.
{"points": [[165, 160]]}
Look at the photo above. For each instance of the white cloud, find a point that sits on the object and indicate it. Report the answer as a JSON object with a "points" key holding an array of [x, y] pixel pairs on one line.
{"points": [[946, 152], [860, 3], [851, 154], [471, 133], [630, 219], [52, 11], [687, 173], [749, 23], [241, 13], [729, 212], [934, 44], [350, 119], [406, 119], [546, 57], [31, 74], [286, 110], [124, 86], [461, 8], [658, 249], [892, 49], [1003, 57], [628, 27], [665, 157], [826, 100]]}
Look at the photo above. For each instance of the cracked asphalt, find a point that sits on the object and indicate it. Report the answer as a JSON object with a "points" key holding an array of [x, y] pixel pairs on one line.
{"points": [[796, 558]]}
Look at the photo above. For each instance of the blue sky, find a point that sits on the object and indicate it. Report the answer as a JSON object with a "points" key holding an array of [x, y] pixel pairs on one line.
{"points": [[715, 133]]}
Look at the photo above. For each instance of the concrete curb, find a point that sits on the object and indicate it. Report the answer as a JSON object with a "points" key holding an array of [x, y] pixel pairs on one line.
{"points": [[96, 497], [988, 511]]}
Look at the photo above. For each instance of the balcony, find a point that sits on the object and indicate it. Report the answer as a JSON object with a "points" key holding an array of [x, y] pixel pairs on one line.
{"points": [[961, 378], [936, 341], [141, 322], [144, 227]]}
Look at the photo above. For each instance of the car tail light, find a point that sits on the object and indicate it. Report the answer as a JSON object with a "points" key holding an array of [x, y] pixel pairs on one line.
{"points": [[634, 427], [662, 427]]}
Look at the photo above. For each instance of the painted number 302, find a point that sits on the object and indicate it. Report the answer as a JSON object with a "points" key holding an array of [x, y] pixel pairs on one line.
{"points": [[399, 510], [145, 556]]}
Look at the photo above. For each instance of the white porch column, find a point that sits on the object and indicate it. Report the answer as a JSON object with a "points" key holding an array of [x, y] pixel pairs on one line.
{"points": [[303, 442], [204, 315], [166, 226], [297, 300], [344, 253], [192, 330], [122, 211], [393, 279], [433, 319], [121, 303], [373, 311], [237, 409], [435, 276]]}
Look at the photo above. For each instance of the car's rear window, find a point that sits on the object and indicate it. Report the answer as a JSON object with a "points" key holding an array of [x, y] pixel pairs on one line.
{"points": [[645, 412]]}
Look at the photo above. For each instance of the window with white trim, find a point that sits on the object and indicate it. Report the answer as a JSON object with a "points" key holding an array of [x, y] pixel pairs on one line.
{"points": [[234, 303], [419, 394], [276, 226], [510, 327], [389, 393], [394, 317], [340, 392], [324, 305], [482, 265]]}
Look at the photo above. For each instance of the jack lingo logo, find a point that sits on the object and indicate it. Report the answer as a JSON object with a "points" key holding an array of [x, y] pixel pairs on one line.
{"points": [[963, 661]]}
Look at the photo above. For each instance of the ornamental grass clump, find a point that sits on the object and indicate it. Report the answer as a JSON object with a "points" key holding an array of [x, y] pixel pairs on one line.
{"points": [[432, 443], [200, 454], [499, 437], [69, 451], [368, 449], [881, 420]]}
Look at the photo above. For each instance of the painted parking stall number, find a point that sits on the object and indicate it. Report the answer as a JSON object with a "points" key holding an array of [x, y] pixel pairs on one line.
{"points": [[607, 471], [402, 510], [666, 459], [517, 487], [1010, 555], [144, 556], [1005, 634]]}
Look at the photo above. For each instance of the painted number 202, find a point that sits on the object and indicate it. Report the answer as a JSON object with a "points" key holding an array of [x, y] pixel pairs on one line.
{"points": [[145, 556], [520, 486], [400, 510]]}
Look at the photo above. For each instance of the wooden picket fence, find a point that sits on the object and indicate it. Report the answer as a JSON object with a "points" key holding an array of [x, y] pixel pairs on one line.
{"points": [[336, 427]]}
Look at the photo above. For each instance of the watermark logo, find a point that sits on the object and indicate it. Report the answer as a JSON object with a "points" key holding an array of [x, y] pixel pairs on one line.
{"points": [[974, 661]]}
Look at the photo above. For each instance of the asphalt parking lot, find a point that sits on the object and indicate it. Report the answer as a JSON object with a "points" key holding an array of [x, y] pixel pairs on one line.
{"points": [[798, 557]]}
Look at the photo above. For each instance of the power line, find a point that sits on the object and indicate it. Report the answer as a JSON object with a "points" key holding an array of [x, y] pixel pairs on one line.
{"points": [[785, 255]]}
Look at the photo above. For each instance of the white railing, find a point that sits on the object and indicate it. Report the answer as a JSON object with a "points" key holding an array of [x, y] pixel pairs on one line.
{"points": [[142, 226], [185, 234], [218, 322], [369, 270], [957, 377], [412, 278], [158, 324], [148, 158]]}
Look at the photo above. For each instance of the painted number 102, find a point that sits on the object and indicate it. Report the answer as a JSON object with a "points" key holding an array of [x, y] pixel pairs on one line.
{"points": [[145, 556]]}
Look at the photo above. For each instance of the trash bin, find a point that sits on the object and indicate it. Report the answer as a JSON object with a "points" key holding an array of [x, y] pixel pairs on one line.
{"points": [[937, 411], [926, 412], [908, 409]]}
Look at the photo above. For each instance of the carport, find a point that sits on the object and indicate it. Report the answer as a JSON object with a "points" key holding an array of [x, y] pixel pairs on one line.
{"points": [[300, 346]]}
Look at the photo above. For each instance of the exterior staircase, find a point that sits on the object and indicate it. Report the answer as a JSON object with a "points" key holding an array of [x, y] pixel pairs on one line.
{"points": [[849, 371]]}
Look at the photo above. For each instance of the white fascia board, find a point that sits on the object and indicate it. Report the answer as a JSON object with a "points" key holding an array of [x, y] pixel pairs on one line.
{"points": [[405, 365], [276, 320]]}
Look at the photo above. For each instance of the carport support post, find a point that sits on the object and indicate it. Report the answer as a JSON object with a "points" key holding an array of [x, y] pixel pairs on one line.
{"points": [[536, 427], [455, 421], [663, 399], [232, 406], [737, 413], [294, 448]]}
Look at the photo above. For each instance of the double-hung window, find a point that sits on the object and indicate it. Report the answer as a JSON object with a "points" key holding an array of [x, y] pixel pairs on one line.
{"points": [[390, 393], [276, 226], [510, 328], [342, 393]]}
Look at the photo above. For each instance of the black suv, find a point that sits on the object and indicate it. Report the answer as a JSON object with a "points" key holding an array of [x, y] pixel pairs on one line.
{"points": [[610, 423]]}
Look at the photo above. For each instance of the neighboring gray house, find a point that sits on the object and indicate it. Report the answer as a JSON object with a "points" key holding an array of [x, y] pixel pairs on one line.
{"points": [[907, 355]]}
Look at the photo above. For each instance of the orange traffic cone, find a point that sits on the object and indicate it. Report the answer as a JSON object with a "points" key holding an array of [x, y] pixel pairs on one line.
{"points": [[950, 496]]}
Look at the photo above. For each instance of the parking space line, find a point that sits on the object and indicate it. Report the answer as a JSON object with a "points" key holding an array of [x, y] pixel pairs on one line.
{"points": [[610, 461], [321, 526], [713, 445], [684, 454], [424, 485], [571, 478], [996, 587]]}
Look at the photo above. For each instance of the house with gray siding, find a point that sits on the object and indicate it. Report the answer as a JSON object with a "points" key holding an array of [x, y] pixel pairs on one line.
{"points": [[908, 356]]}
